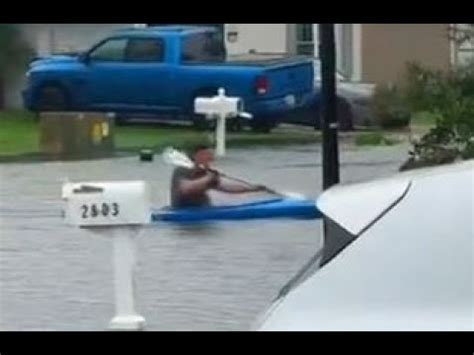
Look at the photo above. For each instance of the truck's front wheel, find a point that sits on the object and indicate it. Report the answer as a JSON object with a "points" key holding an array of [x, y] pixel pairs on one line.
{"points": [[51, 98]]}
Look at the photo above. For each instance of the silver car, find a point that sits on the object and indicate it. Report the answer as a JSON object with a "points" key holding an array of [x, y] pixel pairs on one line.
{"points": [[398, 255], [353, 104]]}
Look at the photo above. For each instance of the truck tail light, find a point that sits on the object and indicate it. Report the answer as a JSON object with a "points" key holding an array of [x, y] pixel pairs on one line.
{"points": [[262, 85]]}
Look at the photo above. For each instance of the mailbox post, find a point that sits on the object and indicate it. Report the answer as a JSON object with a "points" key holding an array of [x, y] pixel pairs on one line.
{"points": [[118, 210], [124, 261], [220, 107]]}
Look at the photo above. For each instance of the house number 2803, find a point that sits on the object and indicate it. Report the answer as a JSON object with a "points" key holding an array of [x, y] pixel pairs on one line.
{"points": [[104, 209]]}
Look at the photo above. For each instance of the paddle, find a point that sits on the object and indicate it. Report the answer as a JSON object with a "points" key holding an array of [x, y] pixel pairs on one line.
{"points": [[175, 157]]}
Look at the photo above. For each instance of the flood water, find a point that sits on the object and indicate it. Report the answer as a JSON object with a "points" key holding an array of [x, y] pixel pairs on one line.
{"points": [[214, 277]]}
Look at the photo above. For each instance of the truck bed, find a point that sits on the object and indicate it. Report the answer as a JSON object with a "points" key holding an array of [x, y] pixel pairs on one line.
{"points": [[261, 60]]}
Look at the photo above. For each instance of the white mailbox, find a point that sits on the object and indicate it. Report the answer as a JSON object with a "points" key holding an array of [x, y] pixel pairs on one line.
{"points": [[220, 107], [107, 203], [214, 107], [123, 207]]}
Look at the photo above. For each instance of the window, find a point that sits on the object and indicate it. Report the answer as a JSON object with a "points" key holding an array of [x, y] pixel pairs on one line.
{"points": [[111, 50], [203, 47], [144, 50], [304, 39], [344, 48]]}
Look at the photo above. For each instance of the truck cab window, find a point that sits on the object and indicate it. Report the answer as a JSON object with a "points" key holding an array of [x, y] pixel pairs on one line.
{"points": [[110, 50], [203, 47], [144, 50]]}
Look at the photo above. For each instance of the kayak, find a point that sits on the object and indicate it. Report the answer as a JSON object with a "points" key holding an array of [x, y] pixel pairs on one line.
{"points": [[274, 208]]}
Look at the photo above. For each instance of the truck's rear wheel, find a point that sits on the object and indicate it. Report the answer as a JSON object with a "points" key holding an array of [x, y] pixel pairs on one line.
{"points": [[200, 123], [235, 124], [262, 126]]}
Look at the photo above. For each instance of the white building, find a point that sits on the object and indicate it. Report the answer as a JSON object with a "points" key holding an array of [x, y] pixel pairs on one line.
{"points": [[297, 39]]}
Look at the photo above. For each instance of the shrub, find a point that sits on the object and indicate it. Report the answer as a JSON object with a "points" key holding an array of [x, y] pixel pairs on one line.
{"points": [[388, 107], [15, 51], [449, 97]]}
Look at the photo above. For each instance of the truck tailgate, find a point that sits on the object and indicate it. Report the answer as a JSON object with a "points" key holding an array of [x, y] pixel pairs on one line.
{"points": [[286, 79]]}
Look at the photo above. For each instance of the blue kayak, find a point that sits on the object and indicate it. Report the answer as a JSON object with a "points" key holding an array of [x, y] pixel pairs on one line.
{"points": [[274, 208]]}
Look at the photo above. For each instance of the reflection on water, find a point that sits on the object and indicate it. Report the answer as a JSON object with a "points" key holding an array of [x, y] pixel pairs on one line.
{"points": [[189, 277], [194, 230]]}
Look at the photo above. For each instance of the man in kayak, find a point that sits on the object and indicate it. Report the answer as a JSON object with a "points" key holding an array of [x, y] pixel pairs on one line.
{"points": [[189, 187]]}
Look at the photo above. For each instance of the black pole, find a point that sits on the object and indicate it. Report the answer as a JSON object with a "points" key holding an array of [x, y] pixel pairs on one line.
{"points": [[327, 53]]}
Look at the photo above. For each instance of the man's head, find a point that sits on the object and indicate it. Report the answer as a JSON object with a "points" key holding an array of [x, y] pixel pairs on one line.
{"points": [[202, 155]]}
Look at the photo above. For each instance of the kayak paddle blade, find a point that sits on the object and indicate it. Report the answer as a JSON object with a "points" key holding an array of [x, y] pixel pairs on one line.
{"points": [[174, 157]]}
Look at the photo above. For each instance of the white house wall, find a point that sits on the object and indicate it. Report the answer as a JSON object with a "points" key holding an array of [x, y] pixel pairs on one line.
{"points": [[265, 38]]}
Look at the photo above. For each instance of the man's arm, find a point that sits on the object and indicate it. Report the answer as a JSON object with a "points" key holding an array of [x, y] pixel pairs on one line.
{"points": [[238, 188], [191, 187]]}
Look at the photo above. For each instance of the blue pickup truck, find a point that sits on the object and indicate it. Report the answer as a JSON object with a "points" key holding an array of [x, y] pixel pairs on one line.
{"points": [[160, 70]]}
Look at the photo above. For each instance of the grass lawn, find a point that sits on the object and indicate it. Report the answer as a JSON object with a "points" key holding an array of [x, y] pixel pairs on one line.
{"points": [[422, 122], [373, 138], [19, 134]]}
